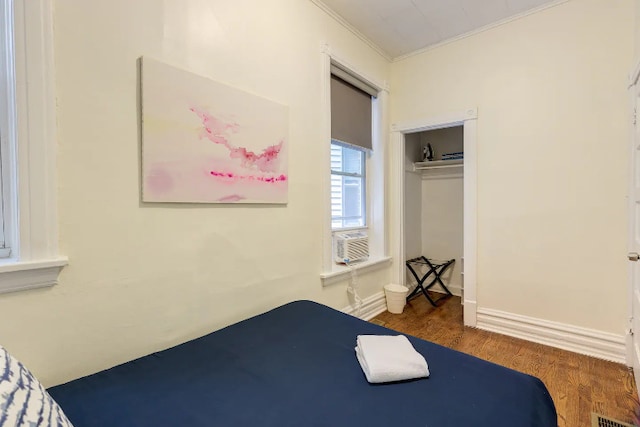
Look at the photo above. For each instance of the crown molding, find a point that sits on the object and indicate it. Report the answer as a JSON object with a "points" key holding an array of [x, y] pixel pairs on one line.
{"points": [[481, 29], [320, 4], [351, 28]]}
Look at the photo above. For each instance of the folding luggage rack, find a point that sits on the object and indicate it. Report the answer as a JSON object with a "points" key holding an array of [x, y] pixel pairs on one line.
{"points": [[437, 268]]}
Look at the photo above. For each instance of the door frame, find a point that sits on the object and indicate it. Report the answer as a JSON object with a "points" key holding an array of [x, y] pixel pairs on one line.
{"points": [[634, 80], [468, 119]]}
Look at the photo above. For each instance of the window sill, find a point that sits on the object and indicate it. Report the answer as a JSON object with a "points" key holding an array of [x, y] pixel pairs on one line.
{"points": [[23, 275], [339, 272]]}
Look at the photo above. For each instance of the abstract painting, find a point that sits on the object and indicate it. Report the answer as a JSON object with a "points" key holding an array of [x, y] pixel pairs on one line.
{"points": [[206, 142]]}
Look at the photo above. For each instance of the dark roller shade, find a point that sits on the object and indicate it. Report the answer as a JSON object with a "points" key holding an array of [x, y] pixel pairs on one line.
{"points": [[350, 114]]}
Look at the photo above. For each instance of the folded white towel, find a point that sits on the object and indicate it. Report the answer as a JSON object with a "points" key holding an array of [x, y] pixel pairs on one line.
{"points": [[389, 358]]}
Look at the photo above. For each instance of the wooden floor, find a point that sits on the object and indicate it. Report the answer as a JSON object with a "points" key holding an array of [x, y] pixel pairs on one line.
{"points": [[578, 384]]}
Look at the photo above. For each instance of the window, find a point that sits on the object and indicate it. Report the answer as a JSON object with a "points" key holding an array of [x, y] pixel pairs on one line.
{"points": [[348, 184], [28, 222], [354, 188], [351, 139]]}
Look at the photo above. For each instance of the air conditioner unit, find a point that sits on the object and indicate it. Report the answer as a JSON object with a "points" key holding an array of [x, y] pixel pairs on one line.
{"points": [[351, 247]]}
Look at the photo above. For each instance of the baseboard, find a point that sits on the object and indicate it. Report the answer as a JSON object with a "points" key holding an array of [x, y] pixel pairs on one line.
{"points": [[590, 342], [470, 313], [602, 345], [371, 307]]}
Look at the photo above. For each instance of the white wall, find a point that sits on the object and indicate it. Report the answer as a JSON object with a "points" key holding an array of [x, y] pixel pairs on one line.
{"points": [[442, 222], [442, 206], [552, 155], [143, 277], [412, 199]]}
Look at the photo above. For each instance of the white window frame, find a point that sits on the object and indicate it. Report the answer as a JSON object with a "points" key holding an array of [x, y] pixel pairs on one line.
{"points": [[375, 170], [29, 171], [363, 196], [7, 131]]}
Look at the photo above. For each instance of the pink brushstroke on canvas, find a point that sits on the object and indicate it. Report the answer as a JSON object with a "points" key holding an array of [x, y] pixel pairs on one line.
{"points": [[218, 131], [196, 131], [232, 177], [160, 180], [231, 198]]}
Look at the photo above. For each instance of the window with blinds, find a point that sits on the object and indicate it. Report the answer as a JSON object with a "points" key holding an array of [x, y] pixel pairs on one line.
{"points": [[348, 183], [351, 139]]}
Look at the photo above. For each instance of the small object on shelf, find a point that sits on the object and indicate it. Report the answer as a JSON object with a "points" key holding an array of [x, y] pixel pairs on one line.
{"points": [[427, 153], [452, 156]]}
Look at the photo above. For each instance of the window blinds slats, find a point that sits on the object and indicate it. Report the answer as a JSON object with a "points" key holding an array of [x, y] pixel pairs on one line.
{"points": [[350, 114]]}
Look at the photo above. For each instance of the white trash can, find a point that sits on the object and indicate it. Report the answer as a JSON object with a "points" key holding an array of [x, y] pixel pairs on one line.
{"points": [[396, 296]]}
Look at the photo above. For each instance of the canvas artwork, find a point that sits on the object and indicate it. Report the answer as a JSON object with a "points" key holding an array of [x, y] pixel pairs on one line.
{"points": [[206, 142]]}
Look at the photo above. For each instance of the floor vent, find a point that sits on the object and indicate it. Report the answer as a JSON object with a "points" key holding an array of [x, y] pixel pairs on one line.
{"points": [[598, 420]]}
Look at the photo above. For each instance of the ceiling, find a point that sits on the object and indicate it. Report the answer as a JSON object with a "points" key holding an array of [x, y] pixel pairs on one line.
{"points": [[399, 27]]}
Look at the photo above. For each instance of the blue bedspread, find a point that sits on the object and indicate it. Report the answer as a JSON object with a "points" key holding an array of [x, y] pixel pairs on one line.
{"points": [[296, 366]]}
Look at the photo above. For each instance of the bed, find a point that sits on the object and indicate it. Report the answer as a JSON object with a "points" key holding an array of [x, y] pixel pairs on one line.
{"points": [[295, 366]]}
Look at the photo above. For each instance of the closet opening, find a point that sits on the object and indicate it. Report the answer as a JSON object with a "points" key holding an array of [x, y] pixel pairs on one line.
{"points": [[433, 210], [434, 219]]}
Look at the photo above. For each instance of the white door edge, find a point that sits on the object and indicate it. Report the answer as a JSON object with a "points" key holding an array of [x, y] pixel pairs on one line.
{"points": [[633, 305]]}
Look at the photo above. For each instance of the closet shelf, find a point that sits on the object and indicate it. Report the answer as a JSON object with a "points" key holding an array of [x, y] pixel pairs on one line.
{"points": [[438, 164]]}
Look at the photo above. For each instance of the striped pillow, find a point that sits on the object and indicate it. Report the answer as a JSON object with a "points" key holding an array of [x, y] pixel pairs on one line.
{"points": [[23, 400]]}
